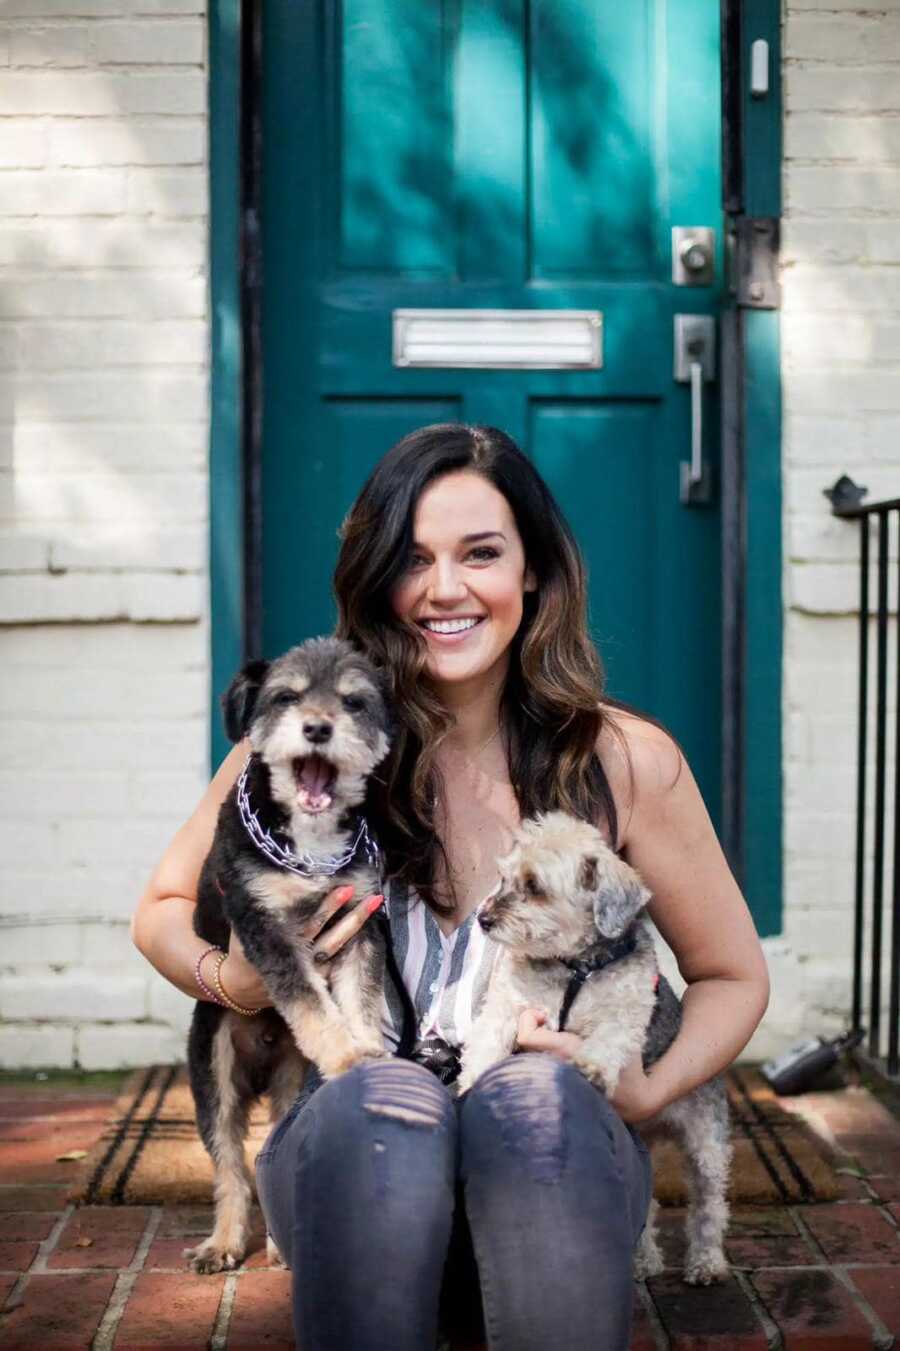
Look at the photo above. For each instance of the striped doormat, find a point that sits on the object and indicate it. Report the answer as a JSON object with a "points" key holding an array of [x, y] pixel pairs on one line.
{"points": [[777, 1160], [150, 1152]]}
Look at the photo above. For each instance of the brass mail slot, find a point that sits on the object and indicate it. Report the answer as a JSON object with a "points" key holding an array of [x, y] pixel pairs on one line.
{"points": [[512, 340]]}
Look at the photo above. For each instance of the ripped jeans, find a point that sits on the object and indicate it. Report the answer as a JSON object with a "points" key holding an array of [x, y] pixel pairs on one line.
{"points": [[508, 1215]]}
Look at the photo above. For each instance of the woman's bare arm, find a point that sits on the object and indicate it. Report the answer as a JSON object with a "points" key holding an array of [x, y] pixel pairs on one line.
{"points": [[700, 912], [162, 925]]}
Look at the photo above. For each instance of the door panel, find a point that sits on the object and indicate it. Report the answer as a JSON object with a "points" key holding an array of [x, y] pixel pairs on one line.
{"points": [[394, 182], [497, 154], [592, 135], [599, 457]]}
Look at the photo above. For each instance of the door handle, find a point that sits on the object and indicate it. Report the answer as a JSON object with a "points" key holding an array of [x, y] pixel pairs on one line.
{"points": [[695, 364]]}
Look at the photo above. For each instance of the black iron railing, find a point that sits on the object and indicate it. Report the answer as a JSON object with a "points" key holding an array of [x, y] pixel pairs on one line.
{"points": [[846, 501]]}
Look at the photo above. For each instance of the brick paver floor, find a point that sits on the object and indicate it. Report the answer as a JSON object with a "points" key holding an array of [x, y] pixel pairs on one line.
{"points": [[804, 1278]]}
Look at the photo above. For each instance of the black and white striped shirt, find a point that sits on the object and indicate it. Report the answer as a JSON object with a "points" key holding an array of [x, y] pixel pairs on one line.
{"points": [[446, 975]]}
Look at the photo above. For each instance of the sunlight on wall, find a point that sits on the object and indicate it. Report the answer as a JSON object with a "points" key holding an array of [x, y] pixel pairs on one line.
{"points": [[103, 555], [841, 377]]}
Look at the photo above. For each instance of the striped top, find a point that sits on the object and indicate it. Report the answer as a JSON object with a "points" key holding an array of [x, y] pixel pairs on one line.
{"points": [[446, 975]]}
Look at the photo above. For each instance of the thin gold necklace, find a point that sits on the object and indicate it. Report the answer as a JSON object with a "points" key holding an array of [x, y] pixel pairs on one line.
{"points": [[484, 745], [493, 734]]}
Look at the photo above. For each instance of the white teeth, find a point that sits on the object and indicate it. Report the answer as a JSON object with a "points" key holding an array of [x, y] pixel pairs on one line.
{"points": [[448, 625]]}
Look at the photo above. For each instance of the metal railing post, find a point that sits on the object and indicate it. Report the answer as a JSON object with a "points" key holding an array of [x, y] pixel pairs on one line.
{"points": [[859, 903], [846, 501]]}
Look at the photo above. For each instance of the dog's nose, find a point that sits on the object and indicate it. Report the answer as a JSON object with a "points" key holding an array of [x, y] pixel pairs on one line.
{"points": [[317, 732]]}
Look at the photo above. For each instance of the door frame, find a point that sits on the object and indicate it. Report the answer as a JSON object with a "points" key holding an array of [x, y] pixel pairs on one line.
{"points": [[752, 644], [751, 478]]}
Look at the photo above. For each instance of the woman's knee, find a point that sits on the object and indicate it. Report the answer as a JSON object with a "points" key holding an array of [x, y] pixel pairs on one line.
{"points": [[528, 1081], [389, 1090], [376, 1131], [401, 1090], [526, 1103]]}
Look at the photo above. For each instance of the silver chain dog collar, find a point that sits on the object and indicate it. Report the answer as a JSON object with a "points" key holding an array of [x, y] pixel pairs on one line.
{"points": [[305, 864]]}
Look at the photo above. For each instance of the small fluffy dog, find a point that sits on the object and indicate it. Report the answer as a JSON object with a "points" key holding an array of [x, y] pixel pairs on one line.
{"points": [[569, 916], [292, 828]]}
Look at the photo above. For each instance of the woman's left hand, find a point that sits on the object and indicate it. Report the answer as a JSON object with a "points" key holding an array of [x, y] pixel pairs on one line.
{"points": [[633, 1099], [533, 1036]]}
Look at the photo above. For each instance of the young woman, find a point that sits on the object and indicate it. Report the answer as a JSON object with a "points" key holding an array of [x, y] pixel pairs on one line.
{"points": [[459, 576]]}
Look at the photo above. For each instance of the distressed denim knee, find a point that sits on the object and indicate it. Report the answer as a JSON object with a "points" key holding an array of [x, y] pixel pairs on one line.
{"points": [[528, 1097], [373, 1110], [401, 1090]]}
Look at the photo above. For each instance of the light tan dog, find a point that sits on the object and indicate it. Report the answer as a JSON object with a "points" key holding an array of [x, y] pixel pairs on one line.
{"points": [[568, 906]]}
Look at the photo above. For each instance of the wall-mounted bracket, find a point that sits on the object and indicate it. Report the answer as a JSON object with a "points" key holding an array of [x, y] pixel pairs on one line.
{"points": [[845, 495], [755, 260]]}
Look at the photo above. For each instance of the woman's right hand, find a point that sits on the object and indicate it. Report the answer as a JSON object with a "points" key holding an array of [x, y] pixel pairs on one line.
{"points": [[240, 978]]}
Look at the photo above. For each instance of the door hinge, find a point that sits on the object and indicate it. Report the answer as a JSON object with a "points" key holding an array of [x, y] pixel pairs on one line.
{"points": [[754, 243]]}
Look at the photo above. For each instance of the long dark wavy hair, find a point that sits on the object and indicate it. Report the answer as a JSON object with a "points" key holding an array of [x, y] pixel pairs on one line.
{"points": [[552, 706]]}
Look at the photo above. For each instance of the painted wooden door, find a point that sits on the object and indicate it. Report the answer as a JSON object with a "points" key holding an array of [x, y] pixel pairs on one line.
{"points": [[498, 154]]}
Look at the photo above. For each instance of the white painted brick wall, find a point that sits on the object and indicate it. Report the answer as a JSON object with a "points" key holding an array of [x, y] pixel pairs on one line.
{"points": [[841, 374], [103, 503]]}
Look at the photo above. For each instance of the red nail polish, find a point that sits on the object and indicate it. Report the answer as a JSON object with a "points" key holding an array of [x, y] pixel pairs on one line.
{"points": [[344, 894], [373, 904]]}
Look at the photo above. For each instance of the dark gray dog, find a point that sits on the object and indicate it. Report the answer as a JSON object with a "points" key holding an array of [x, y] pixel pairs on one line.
{"points": [[292, 828], [569, 916]]}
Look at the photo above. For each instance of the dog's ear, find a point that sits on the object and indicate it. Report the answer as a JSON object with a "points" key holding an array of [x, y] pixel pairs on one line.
{"points": [[617, 903], [239, 700]]}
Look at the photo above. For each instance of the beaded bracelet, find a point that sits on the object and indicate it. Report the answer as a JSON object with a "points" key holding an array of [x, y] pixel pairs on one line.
{"points": [[223, 997], [210, 994]]}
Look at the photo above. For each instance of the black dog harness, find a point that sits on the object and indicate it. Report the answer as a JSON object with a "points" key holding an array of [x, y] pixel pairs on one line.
{"points": [[581, 970]]}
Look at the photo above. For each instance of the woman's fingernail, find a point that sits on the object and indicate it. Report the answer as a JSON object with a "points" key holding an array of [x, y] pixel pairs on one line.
{"points": [[373, 903], [344, 894]]}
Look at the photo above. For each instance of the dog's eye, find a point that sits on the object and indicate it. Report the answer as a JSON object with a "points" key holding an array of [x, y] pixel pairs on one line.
{"points": [[353, 703], [532, 887], [283, 698]]}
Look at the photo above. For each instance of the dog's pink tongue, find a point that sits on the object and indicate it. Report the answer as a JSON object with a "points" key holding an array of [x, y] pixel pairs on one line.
{"points": [[315, 773], [315, 776]]}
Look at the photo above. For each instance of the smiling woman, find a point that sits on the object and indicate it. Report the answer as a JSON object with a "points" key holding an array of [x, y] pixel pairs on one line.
{"points": [[515, 1205]]}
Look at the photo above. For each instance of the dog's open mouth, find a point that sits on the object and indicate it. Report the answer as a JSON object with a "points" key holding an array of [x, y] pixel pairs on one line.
{"points": [[315, 778]]}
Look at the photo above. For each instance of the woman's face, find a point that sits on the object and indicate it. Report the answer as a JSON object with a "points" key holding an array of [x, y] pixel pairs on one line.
{"points": [[472, 586]]}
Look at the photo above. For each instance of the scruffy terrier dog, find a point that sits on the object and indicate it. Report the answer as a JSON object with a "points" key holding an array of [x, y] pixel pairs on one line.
{"points": [[569, 917], [292, 828]]}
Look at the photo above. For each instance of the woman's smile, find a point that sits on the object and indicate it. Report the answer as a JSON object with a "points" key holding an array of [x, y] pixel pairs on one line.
{"points": [[450, 632]]}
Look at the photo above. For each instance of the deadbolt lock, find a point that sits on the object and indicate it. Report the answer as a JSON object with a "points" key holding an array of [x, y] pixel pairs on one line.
{"points": [[693, 255]]}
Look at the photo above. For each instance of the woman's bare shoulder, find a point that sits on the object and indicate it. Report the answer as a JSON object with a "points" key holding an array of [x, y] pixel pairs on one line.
{"points": [[637, 756]]}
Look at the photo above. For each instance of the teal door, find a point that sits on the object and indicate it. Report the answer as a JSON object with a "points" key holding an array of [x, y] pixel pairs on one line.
{"points": [[498, 154]]}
